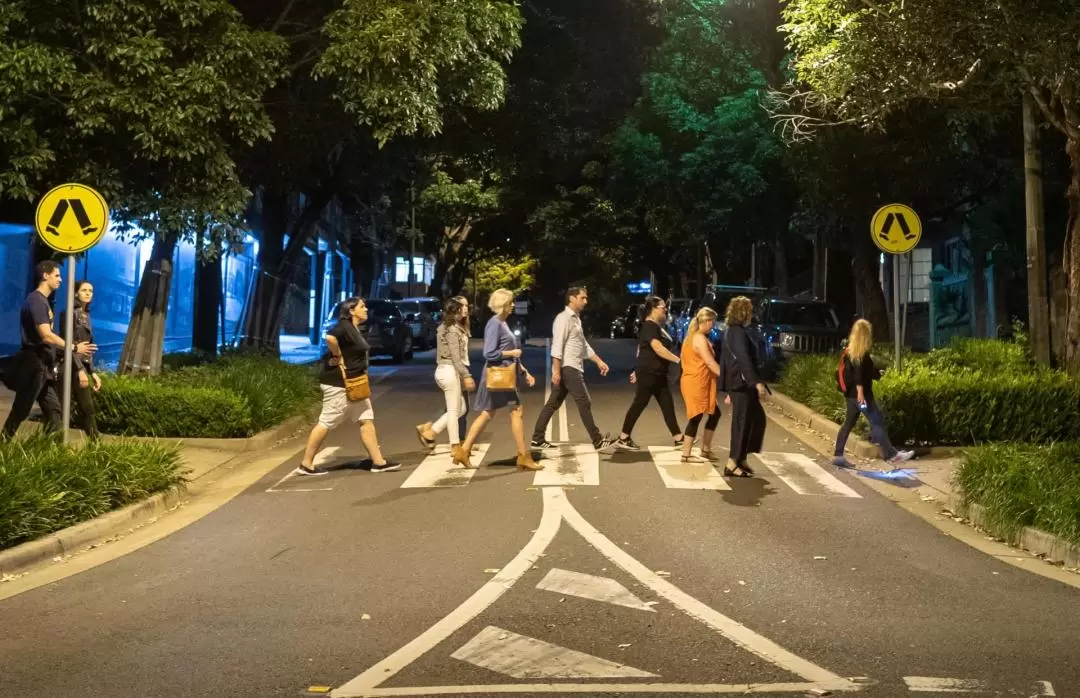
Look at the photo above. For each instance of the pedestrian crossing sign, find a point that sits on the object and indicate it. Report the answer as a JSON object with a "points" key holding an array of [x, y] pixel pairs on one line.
{"points": [[896, 229], [71, 218]]}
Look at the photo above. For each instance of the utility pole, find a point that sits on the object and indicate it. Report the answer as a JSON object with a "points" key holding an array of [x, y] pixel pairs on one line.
{"points": [[412, 235], [1038, 305]]}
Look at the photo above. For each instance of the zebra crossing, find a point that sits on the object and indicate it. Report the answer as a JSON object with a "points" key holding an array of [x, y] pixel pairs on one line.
{"points": [[579, 465]]}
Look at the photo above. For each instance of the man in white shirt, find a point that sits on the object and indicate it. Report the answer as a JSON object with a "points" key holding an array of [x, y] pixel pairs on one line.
{"points": [[569, 349]]}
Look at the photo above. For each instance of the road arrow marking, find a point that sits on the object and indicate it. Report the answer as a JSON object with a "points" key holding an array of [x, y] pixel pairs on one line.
{"points": [[685, 476], [439, 470], [587, 586], [528, 658], [805, 476], [570, 465], [557, 508]]}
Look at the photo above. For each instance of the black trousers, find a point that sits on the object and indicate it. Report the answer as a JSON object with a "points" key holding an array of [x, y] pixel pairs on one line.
{"points": [[33, 384], [710, 423], [571, 382], [747, 424], [83, 401], [652, 385]]}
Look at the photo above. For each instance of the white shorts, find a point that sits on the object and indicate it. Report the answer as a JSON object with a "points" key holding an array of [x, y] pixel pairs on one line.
{"points": [[336, 408]]}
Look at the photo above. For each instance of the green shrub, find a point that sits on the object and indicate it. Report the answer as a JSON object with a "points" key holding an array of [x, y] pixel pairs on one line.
{"points": [[966, 354], [45, 487], [160, 407], [1023, 485]]}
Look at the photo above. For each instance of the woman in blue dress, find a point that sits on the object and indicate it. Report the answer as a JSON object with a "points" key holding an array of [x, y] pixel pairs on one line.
{"points": [[501, 348]]}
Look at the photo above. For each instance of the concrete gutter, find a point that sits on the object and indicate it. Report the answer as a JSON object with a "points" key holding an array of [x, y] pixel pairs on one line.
{"points": [[1040, 543], [99, 530]]}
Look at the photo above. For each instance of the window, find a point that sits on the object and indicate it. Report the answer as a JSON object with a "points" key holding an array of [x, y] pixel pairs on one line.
{"points": [[401, 270]]}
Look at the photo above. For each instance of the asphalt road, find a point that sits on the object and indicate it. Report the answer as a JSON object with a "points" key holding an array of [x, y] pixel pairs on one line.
{"points": [[600, 576]]}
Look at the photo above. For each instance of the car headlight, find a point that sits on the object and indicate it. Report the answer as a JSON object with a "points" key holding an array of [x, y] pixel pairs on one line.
{"points": [[787, 341], [517, 332]]}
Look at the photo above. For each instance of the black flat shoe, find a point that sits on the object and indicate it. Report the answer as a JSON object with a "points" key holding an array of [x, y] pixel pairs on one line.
{"points": [[743, 472]]}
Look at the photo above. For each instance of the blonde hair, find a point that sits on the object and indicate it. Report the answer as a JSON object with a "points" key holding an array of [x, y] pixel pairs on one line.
{"points": [[703, 316], [500, 300], [740, 311], [859, 341]]}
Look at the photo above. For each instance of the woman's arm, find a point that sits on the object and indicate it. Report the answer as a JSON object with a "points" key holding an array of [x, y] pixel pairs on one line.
{"points": [[741, 348], [492, 349], [335, 349], [662, 352], [453, 343], [702, 349]]}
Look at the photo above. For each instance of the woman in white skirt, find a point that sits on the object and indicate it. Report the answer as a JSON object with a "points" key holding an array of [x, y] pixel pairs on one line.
{"points": [[348, 348], [451, 374]]}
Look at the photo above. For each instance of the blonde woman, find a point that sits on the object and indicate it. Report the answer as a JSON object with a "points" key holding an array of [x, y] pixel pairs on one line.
{"points": [[501, 348], [698, 385], [739, 379], [451, 373], [855, 377]]}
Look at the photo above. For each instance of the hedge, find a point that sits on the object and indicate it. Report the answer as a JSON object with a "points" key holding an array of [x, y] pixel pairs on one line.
{"points": [[972, 391], [1024, 485], [233, 397], [45, 486]]}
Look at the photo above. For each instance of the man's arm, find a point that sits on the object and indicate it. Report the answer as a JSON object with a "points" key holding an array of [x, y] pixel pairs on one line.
{"points": [[558, 346]]}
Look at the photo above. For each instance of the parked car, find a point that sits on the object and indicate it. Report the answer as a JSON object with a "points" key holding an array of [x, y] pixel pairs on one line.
{"points": [[422, 316], [786, 327], [385, 330], [677, 309], [627, 325], [717, 297]]}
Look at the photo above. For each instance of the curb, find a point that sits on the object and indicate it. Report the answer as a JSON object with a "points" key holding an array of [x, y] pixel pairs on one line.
{"points": [[1036, 542], [95, 531]]}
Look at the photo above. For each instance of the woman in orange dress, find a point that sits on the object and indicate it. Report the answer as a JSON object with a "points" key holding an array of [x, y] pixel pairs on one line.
{"points": [[698, 385]]}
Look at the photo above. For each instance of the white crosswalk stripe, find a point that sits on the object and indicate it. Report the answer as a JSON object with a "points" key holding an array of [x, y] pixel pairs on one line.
{"points": [[805, 476], [438, 470], [569, 465], [685, 476]]}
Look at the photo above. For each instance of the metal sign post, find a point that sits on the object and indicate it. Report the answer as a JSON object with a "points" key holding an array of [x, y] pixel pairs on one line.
{"points": [[896, 229], [70, 235]]}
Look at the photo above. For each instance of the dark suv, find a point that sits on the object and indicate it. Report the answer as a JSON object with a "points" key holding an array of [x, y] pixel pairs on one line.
{"points": [[385, 330], [786, 327]]}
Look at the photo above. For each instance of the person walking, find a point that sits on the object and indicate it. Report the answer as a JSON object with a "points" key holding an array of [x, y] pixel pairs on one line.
{"points": [[451, 374], [86, 381], [499, 383], [569, 350], [32, 372], [347, 359], [740, 380], [654, 361], [698, 385], [855, 376]]}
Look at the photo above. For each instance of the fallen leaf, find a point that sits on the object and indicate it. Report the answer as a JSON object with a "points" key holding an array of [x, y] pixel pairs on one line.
{"points": [[742, 583], [491, 570], [318, 689], [727, 591], [365, 616], [624, 645], [651, 603], [662, 573], [820, 557]]}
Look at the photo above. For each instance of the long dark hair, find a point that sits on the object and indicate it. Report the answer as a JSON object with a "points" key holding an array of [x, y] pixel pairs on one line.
{"points": [[452, 312], [345, 316], [79, 305], [650, 305]]}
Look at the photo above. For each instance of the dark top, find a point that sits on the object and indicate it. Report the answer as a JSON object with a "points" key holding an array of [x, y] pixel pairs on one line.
{"points": [[82, 331], [738, 369], [647, 359], [35, 311], [864, 374], [354, 354]]}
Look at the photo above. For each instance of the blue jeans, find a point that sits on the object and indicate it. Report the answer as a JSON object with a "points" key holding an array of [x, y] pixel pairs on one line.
{"points": [[878, 434]]}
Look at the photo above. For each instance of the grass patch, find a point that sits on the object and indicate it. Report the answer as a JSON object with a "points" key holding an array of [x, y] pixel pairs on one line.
{"points": [[1025, 485], [234, 397], [45, 486]]}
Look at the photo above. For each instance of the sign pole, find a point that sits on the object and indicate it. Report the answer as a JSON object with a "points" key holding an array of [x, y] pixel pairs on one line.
{"points": [[896, 307], [69, 353]]}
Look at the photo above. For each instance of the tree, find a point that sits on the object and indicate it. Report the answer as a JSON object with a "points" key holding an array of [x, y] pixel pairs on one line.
{"points": [[147, 103], [866, 61], [515, 274], [372, 70]]}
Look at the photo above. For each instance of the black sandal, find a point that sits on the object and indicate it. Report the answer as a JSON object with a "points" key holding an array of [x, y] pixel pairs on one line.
{"points": [[743, 471]]}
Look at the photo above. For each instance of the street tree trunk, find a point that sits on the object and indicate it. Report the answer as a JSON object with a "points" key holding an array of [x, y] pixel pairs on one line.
{"points": [[277, 268], [1072, 264], [453, 239], [1038, 303], [207, 304], [868, 287], [145, 339]]}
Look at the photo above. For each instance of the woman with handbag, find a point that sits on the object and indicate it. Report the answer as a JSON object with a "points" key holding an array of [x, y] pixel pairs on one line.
{"points": [[346, 390], [499, 383], [739, 379], [451, 374]]}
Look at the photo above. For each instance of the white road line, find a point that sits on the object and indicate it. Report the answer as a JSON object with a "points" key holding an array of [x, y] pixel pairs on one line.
{"points": [[439, 470], [617, 688], [1043, 688], [547, 383], [564, 425], [932, 684], [571, 465], [320, 458], [557, 508], [523, 657], [805, 476], [587, 586], [685, 476]]}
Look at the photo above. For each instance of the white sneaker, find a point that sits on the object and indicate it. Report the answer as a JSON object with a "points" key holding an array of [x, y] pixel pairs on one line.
{"points": [[901, 457]]}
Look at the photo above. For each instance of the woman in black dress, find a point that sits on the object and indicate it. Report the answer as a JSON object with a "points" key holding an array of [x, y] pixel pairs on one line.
{"points": [[85, 381], [654, 361], [740, 380]]}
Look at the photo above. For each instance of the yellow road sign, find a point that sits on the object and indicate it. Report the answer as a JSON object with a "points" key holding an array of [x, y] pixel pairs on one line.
{"points": [[896, 229], [71, 218]]}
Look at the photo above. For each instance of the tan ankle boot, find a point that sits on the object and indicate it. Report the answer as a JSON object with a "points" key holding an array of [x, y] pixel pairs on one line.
{"points": [[525, 462], [460, 457]]}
